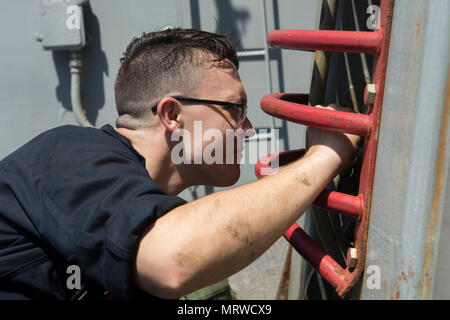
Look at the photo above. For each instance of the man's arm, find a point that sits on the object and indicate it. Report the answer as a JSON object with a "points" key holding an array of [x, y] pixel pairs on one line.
{"points": [[209, 239]]}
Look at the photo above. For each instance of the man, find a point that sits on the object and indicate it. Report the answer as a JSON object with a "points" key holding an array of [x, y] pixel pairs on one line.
{"points": [[104, 201]]}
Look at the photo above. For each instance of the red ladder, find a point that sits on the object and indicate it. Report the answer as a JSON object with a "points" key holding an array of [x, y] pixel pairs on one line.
{"points": [[293, 107]]}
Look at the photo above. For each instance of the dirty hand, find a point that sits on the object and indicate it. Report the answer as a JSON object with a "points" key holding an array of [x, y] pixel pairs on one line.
{"points": [[342, 145]]}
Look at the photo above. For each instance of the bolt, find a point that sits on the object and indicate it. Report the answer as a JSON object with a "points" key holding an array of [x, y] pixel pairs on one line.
{"points": [[38, 37], [352, 257], [370, 94]]}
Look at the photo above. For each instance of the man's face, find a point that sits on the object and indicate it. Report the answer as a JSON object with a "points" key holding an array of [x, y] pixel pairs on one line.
{"points": [[213, 128]]}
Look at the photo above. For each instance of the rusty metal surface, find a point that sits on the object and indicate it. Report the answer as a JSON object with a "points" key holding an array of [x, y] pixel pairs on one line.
{"points": [[441, 289], [411, 174], [435, 220]]}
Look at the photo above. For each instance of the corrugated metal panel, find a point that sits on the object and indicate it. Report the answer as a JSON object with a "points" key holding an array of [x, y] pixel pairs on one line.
{"points": [[411, 176]]}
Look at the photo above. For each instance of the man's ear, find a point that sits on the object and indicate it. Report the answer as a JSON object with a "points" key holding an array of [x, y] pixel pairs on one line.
{"points": [[168, 111]]}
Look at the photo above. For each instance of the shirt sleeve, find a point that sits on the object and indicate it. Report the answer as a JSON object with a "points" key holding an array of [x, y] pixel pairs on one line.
{"points": [[96, 212]]}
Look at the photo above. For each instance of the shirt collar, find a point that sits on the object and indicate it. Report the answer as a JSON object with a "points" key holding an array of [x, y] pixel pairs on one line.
{"points": [[107, 128]]}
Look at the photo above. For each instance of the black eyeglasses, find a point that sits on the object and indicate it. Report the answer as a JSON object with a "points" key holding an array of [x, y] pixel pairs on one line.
{"points": [[241, 107]]}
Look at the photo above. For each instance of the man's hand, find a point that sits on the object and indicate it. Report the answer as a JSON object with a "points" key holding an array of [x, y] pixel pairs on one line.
{"points": [[341, 145]]}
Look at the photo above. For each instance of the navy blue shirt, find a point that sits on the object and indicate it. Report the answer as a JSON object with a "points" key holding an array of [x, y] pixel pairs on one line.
{"points": [[75, 196]]}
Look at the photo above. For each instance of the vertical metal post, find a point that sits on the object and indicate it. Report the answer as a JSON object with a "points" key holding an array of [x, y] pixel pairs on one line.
{"points": [[269, 85]]}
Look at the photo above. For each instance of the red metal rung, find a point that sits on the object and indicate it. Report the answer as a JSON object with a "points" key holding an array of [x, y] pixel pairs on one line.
{"points": [[340, 41], [322, 262], [339, 121], [345, 204]]}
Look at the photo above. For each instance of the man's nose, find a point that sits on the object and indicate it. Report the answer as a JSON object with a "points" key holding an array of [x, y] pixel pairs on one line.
{"points": [[248, 128]]}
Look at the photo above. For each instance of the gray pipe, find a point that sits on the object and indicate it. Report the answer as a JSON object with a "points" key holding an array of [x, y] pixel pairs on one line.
{"points": [[76, 66]]}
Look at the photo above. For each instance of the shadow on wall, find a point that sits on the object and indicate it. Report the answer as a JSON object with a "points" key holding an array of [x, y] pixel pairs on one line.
{"points": [[95, 65], [230, 20]]}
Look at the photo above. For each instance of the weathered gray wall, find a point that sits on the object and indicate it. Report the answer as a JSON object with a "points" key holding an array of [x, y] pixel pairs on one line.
{"points": [[409, 230]]}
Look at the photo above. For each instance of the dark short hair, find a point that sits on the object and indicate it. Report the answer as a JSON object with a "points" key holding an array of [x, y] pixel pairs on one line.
{"points": [[163, 61]]}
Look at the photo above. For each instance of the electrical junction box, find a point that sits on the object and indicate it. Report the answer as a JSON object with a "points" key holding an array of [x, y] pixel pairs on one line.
{"points": [[62, 24]]}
